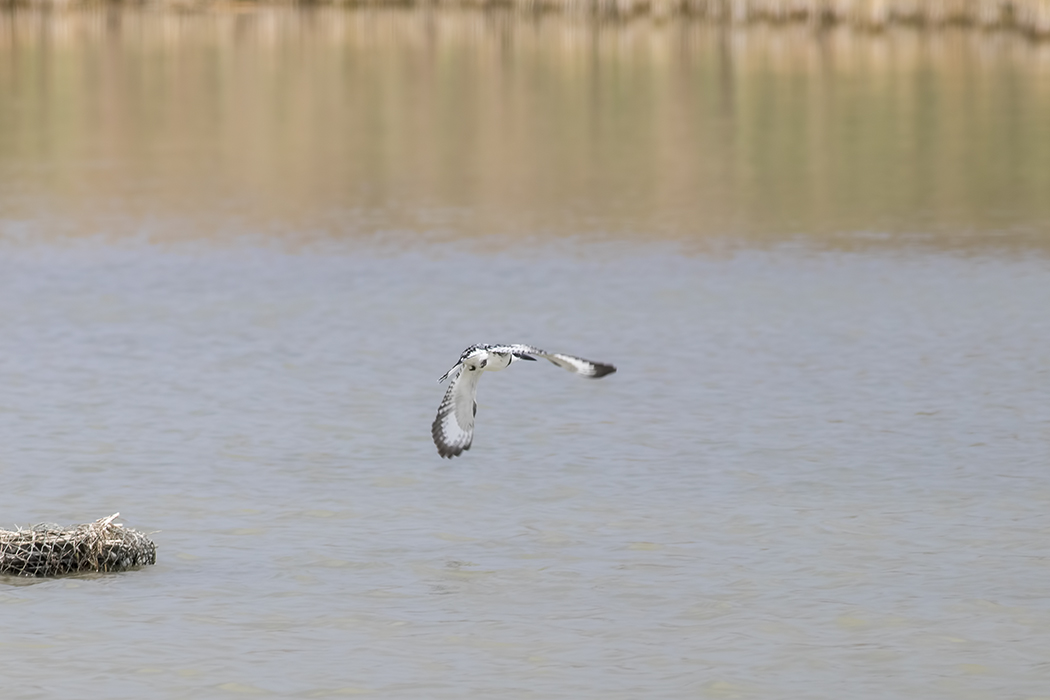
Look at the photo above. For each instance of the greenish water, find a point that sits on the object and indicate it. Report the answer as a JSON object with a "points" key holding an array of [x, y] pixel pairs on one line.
{"points": [[331, 124]]}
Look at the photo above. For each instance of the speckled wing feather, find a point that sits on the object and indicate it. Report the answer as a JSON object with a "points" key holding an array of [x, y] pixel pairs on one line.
{"points": [[453, 428], [572, 363]]}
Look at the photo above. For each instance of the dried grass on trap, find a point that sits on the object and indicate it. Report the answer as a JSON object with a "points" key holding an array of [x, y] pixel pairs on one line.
{"points": [[52, 550]]}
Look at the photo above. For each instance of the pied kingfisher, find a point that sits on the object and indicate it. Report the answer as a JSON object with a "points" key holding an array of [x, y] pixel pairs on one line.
{"points": [[453, 429]]}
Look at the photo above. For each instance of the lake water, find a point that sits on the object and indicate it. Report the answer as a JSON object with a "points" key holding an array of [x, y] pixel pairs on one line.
{"points": [[821, 470]]}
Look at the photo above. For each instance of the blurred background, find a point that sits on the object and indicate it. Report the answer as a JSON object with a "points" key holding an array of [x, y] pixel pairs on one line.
{"points": [[333, 123], [239, 243]]}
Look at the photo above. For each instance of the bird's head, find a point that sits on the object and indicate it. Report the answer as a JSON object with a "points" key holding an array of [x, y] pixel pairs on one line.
{"points": [[475, 360]]}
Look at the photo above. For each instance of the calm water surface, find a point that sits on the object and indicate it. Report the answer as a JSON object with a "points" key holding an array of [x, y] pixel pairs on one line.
{"points": [[237, 249], [329, 124], [815, 475]]}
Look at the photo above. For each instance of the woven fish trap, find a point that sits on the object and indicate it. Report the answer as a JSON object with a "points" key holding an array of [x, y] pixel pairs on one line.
{"points": [[53, 550]]}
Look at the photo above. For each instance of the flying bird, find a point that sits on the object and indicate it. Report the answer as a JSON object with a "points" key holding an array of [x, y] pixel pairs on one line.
{"points": [[453, 429]]}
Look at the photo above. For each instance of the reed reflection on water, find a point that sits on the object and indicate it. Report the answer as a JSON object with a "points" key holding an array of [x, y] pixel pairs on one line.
{"points": [[321, 123]]}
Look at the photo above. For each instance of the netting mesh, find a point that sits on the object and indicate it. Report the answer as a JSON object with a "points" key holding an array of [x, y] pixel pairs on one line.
{"points": [[52, 550]]}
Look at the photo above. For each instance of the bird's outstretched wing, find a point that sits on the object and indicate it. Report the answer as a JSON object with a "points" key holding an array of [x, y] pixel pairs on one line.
{"points": [[569, 362], [453, 428]]}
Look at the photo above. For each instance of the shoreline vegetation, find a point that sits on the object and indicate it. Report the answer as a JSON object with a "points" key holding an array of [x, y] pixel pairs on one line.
{"points": [[1030, 18]]}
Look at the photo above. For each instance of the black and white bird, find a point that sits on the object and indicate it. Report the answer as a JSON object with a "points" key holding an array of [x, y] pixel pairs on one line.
{"points": [[453, 428]]}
